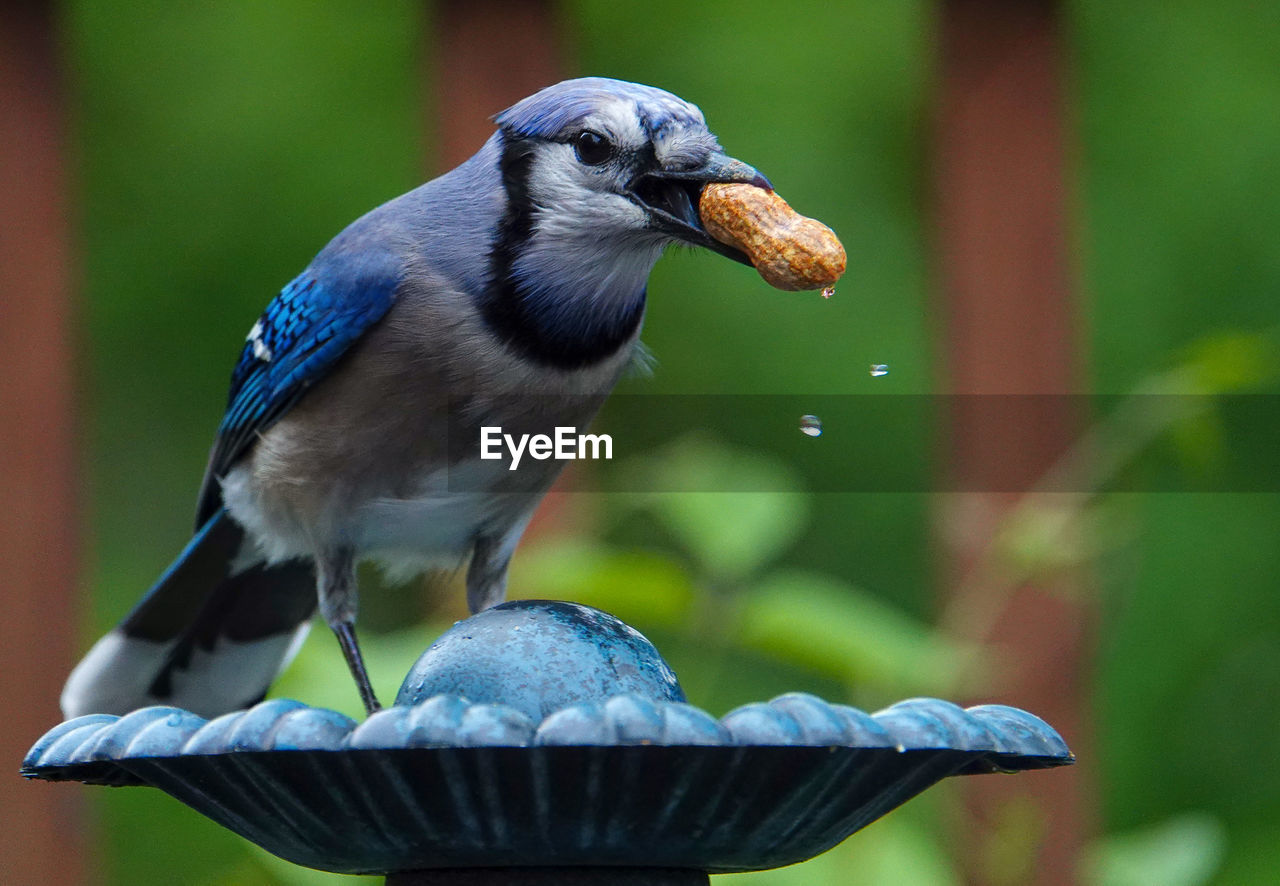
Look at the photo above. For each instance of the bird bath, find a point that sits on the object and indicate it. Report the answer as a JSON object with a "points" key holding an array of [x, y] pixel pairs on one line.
{"points": [[546, 742]]}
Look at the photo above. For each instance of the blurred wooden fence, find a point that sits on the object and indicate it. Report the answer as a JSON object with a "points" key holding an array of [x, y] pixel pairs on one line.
{"points": [[42, 837]]}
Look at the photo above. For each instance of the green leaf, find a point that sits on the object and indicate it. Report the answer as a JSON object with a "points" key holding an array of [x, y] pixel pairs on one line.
{"points": [[842, 631], [1229, 361], [733, 511], [1186, 850], [893, 851], [641, 586]]}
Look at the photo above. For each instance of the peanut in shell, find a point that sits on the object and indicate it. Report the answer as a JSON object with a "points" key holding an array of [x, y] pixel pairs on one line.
{"points": [[788, 250]]}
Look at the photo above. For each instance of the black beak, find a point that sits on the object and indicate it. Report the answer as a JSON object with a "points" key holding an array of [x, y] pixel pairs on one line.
{"points": [[671, 199]]}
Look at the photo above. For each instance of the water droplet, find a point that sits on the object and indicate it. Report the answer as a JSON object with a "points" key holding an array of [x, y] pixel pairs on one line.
{"points": [[811, 426], [828, 292], [879, 369]]}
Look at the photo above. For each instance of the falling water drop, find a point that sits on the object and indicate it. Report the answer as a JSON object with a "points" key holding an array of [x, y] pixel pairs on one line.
{"points": [[811, 426], [828, 292], [879, 369]]}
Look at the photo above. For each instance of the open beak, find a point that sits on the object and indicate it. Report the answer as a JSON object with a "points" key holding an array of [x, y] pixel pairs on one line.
{"points": [[671, 199]]}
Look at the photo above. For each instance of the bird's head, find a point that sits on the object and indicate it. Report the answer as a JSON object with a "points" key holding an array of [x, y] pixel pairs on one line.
{"points": [[599, 176], [599, 159]]}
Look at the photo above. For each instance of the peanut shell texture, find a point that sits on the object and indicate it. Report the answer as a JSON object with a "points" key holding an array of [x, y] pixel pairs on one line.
{"points": [[789, 250]]}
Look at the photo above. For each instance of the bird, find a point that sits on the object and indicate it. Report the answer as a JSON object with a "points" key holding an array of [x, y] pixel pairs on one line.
{"points": [[508, 292]]}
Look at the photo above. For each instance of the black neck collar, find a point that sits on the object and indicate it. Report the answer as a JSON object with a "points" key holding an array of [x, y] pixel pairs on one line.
{"points": [[529, 326]]}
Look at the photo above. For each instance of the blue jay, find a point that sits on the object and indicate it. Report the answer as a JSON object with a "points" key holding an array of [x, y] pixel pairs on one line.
{"points": [[508, 292]]}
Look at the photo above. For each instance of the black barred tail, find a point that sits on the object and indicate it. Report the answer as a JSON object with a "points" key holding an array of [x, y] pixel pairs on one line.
{"points": [[210, 636]]}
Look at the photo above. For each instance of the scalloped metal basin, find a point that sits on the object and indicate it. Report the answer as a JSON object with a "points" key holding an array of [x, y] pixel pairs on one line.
{"points": [[711, 808], [626, 782]]}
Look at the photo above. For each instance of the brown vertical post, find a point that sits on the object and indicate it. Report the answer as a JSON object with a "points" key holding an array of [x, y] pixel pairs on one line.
{"points": [[41, 839], [1011, 328], [486, 55]]}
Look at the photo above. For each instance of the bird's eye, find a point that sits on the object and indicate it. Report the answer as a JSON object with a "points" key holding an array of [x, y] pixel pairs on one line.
{"points": [[592, 147]]}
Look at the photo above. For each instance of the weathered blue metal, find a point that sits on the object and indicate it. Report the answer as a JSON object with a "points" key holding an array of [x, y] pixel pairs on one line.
{"points": [[539, 656], [637, 779]]}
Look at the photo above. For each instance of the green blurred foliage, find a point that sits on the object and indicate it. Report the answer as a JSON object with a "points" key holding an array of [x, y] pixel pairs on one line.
{"points": [[1184, 851], [220, 145], [1179, 169]]}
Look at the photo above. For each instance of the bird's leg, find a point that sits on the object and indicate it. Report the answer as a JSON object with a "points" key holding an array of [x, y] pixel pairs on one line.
{"points": [[487, 574], [336, 587]]}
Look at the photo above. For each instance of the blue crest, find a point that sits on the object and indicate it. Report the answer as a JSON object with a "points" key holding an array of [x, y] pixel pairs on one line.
{"points": [[559, 107]]}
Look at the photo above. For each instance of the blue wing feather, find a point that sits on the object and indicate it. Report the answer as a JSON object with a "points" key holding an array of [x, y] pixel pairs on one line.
{"points": [[296, 341]]}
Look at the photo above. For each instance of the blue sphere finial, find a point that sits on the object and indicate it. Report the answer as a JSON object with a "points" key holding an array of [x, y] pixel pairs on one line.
{"points": [[539, 656]]}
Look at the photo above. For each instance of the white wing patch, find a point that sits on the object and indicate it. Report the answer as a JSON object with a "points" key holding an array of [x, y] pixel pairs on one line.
{"points": [[260, 349]]}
